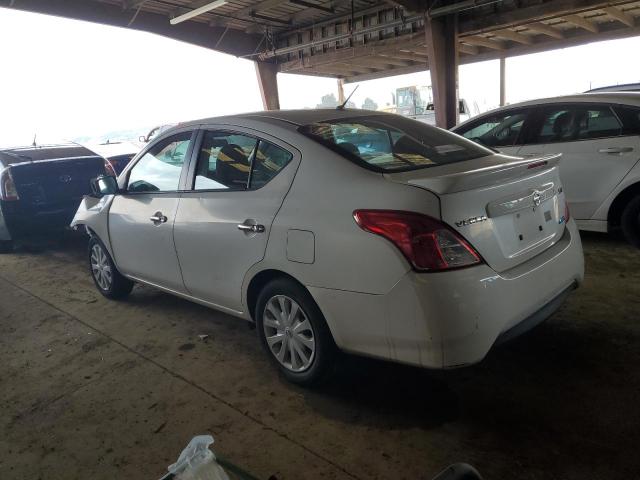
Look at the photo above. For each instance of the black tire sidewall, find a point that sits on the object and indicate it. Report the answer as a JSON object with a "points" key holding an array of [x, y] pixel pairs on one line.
{"points": [[324, 356], [630, 222]]}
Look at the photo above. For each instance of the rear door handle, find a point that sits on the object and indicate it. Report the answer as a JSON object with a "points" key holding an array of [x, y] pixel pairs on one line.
{"points": [[616, 150], [158, 218]]}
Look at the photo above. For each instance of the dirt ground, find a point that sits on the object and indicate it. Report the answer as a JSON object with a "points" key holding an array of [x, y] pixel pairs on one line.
{"points": [[92, 389]]}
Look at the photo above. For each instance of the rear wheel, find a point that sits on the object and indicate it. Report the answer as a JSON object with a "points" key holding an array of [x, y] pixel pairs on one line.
{"points": [[6, 246], [630, 221], [108, 280], [294, 333]]}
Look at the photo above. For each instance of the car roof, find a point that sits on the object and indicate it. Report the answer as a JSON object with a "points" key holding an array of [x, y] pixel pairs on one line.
{"points": [[632, 98], [624, 87], [625, 98], [294, 117], [10, 156]]}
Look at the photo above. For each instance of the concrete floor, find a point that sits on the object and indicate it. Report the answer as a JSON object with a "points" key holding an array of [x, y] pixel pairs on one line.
{"points": [[92, 389]]}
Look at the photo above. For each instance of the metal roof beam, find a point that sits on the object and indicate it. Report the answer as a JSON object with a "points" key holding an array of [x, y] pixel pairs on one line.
{"points": [[545, 29], [582, 22], [513, 36], [483, 42], [315, 6], [620, 15]]}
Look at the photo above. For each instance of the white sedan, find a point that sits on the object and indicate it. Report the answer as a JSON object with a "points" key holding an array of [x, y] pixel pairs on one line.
{"points": [[340, 229], [598, 135]]}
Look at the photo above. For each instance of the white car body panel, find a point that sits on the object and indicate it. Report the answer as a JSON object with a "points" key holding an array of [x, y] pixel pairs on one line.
{"points": [[146, 251], [373, 301], [594, 172]]}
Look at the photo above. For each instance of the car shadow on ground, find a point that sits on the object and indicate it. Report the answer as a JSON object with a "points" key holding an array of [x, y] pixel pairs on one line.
{"points": [[69, 243]]}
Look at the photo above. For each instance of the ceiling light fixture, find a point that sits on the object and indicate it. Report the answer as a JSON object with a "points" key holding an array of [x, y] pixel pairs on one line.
{"points": [[198, 11]]}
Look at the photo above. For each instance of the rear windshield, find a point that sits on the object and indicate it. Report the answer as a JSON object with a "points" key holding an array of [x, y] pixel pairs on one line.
{"points": [[391, 143]]}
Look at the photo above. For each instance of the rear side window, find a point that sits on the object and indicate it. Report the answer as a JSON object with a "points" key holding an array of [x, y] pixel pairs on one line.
{"points": [[501, 129], [576, 122], [630, 117], [224, 161], [392, 143], [229, 161], [267, 162]]}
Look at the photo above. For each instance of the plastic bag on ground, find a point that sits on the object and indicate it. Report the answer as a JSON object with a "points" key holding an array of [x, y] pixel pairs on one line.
{"points": [[197, 462]]}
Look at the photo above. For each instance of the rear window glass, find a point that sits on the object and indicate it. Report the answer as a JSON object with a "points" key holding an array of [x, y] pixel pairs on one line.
{"points": [[393, 143]]}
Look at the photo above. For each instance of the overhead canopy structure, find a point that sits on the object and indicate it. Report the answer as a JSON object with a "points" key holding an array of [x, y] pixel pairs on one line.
{"points": [[356, 40]]}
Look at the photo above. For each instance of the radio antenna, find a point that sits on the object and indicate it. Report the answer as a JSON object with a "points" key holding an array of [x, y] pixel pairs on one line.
{"points": [[341, 107]]}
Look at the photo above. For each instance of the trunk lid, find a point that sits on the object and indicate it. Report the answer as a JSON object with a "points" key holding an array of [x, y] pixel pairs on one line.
{"points": [[508, 209], [53, 184]]}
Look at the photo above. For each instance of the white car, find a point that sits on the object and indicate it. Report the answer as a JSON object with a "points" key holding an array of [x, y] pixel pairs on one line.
{"points": [[362, 231], [598, 135]]}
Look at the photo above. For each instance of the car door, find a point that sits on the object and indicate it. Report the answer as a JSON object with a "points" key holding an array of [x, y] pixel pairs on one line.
{"points": [[141, 218], [500, 130], [596, 151], [237, 184]]}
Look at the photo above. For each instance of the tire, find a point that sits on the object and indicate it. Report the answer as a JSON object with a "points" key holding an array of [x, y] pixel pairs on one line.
{"points": [[295, 336], [630, 222], [108, 280], [6, 246]]}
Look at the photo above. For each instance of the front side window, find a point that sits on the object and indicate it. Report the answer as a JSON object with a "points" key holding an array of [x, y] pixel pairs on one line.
{"points": [[159, 169], [392, 143], [576, 122], [498, 130]]}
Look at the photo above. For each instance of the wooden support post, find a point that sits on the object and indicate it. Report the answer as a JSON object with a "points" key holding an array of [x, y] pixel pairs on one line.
{"points": [[503, 88], [268, 82], [341, 91], [442, 53]]}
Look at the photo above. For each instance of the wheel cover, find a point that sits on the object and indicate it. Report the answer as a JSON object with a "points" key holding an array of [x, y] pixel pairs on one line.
{"points": [[289, 333], [100, 268]]}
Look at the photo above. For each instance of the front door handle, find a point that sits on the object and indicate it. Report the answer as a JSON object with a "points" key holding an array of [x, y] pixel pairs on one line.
{"points": [[158, 218], [251, 227], [616, 150]]}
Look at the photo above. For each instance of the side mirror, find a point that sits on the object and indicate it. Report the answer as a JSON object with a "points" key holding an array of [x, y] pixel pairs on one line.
{"points": [[104, 185], [142, 139]]}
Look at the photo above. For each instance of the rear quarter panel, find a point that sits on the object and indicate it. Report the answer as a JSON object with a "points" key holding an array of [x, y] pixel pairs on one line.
{"points": [[324, 194]]}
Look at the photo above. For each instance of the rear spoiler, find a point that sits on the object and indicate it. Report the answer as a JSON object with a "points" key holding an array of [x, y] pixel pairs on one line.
{"points": [[458, 177]]}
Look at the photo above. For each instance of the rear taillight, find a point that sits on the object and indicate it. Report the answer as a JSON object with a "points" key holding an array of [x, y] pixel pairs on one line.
{"points": [[428, 244], [567, 213], [8, 191], [109, 170]]}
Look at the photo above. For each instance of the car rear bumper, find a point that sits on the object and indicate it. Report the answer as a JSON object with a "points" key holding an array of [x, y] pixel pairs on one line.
{"points": [[19, 222], [452, 319]]}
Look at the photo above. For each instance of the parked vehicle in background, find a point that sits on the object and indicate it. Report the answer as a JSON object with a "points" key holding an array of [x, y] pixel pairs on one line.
{"points": [[625, 87], [41, 187], [118, 154], [417, 103], [155, 131], [367, 232], [598, 135]]}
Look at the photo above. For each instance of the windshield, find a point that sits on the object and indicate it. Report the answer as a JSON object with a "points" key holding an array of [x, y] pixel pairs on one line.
{"points": [[392, 143]]}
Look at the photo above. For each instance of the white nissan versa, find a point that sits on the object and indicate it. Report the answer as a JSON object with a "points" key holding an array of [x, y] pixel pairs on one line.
{"points": [[366, 232]]}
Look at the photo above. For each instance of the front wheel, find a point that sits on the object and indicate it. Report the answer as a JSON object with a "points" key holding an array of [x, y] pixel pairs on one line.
{"points": [[294, 333], [107, 278], [630, 221]]}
